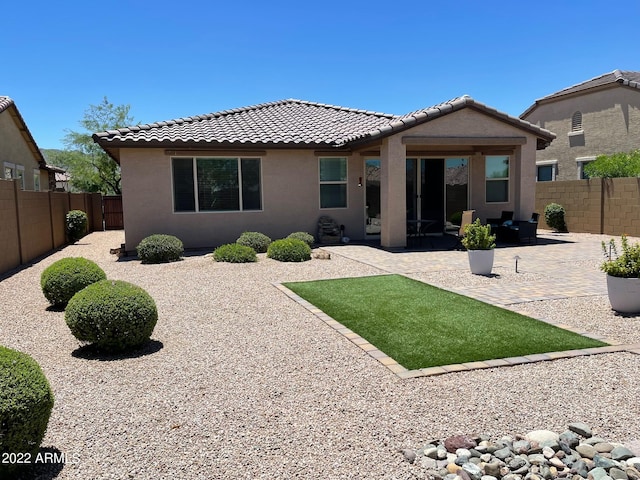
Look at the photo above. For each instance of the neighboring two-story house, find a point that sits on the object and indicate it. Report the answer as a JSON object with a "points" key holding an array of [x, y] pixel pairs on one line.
{"points": [[598, 117], [20, 158]]}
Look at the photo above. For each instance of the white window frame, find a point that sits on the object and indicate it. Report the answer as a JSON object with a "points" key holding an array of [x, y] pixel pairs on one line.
{"points": [[548, 163], [195, 185], [501, 179], [581, 162], [12, 167], [20, 176], [344, 182]]}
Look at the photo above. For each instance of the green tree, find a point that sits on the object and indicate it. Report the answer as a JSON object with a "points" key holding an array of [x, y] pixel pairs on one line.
{"points": [[89, 166], [617, 165]]}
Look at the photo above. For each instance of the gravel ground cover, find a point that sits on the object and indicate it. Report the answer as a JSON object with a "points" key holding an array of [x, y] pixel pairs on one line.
{"points": [[242, 382]]}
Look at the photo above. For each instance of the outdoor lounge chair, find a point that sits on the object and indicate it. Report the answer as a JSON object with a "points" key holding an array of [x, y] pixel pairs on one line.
{"points": [[467, 218], [495, 223], [328, 230], [520, 230]]}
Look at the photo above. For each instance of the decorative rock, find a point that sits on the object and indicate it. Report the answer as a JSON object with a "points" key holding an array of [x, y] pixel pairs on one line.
{"points": [[492, 469], [603, 462], [485, 457], [632, 473], [463, 452], [409, 455], [472, 470], [441, 454], [581, 468], [542, 436], [597, 474], [464, 475], [453, 468], [618, 474], [431, 452], [581, 429], [548, 452], [537, 459], [633, 462], [428, 462], [512, 476], [459, 441], [621, 453], [488, 477], [556, 462], [516, 463], [521, 446], [594, 440], [503, 453], [603, 447], [586, 450], [570, 438]]}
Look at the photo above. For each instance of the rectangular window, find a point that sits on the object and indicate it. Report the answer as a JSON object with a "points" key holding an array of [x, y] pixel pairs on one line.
{"points": [[9, 171], [20, 176], [333, 183], [211, 184], [36, 180], [545, 173], [497, 178]]}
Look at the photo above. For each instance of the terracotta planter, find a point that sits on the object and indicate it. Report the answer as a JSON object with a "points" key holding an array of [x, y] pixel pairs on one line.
{"points": [[481, 261], [624, 294]]}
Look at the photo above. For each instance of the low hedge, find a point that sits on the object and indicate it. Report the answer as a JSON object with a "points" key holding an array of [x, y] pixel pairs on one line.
{"points": [[160, 248], [554, 216], [304, 236], [63, 279], [112, 315], [234, 253], [26, 401], [256, 240], [289, 250]]}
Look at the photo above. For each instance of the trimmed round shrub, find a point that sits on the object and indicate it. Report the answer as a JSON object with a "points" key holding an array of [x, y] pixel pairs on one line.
{"points": [[77, 222], [289, 250], [112, 315], [304, 236], [554, 216], [234, 253], [256, 240], [63, 279], [26, 401], [160, 248]]}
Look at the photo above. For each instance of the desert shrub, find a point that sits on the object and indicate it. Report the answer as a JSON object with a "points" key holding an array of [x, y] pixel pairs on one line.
{"points": [[160, 248], [112, 315], [234, 253], [554, 216], [63, 279], [256, 240], [26, 401], [76, 221], [289, 250], [304, 236]]}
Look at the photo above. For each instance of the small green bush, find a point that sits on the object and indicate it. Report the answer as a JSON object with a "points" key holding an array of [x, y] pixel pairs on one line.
{"points": [[289, 250], [256, 240], [554, 216], [625, 264], [77, 222], [26, 401], [478, 236], [304, 236], [234, 253], [112, 315], [63, 279], [160, 248]]}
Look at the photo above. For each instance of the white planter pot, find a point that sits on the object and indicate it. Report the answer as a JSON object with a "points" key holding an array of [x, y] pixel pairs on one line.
{"points": [[624, 294], [481, 261]]}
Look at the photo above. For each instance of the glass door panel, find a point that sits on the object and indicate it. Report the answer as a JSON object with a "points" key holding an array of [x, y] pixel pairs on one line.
{"points": [[372, 197], [456, 188]]}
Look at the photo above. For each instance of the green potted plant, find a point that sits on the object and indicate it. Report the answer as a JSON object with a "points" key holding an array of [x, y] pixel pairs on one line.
{"points": [[623, 275], [480, 246]]}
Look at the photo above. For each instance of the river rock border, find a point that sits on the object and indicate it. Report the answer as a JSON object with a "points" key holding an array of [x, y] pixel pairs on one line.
{"points": [[574, 454]]}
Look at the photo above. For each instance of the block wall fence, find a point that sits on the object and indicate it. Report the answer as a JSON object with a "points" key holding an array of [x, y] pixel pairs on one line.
{"points": [[605, 206], [33, 223]]}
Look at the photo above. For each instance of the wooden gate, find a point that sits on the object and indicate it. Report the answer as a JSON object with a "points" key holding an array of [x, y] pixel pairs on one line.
{"points": [[112, 207]]}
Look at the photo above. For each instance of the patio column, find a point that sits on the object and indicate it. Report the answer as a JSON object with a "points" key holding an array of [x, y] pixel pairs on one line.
{"points": [[393, 186]]}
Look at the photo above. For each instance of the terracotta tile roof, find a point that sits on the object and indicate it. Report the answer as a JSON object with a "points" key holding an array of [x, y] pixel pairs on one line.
{"points": [[622, 77], [293, 123], [5, 102]]}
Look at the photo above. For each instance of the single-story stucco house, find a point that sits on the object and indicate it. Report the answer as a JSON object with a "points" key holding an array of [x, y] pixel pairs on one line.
{"points": [[277, 167]]}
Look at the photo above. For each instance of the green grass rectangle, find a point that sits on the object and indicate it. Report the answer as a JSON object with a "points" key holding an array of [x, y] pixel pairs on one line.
{"points": [[422, 326]]}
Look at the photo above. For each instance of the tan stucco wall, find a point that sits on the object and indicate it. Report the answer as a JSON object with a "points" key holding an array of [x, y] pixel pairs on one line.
{"points": [[14, 149], [610, 121], [290, 200]]}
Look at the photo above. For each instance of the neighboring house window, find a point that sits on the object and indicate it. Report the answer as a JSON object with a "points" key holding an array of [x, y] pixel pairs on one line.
{"points": [[546, 170], [214, 184], [576, 122], [581, 162], [497, 178], [16, 172], [333, 182], [36, 179]]}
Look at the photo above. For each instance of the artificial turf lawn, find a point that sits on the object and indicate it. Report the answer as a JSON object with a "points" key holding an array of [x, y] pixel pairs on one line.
{"points": [[421, 326]]}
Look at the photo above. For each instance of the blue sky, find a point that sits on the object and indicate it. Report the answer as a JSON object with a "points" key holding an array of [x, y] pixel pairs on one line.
{"points": [[176, 59]]}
